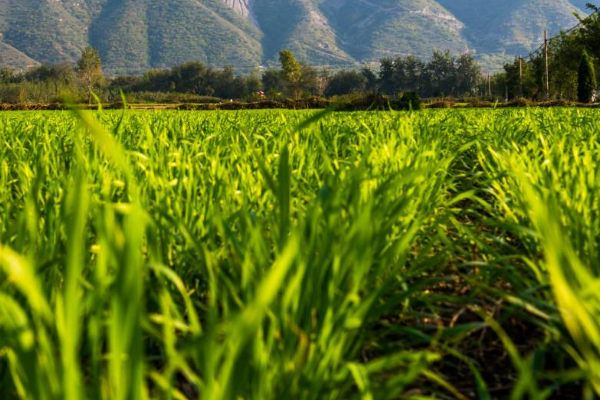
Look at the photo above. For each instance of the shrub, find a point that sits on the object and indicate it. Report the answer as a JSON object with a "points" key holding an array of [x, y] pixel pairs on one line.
{"points": [[373, 101], [555, 103], [480, 104], [308, 103], [409, 101], [586, 79], [520, 102], [441, 104], [168, 98]]}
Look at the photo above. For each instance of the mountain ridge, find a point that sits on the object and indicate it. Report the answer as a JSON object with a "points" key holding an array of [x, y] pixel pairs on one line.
{"points": [[136, 35]]}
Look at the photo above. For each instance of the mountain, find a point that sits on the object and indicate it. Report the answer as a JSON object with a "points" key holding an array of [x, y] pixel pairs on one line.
{"points": [[511, 26], [135, 35], [369, 30]]}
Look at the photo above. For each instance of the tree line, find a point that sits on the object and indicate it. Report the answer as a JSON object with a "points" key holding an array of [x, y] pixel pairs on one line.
{"points": [[443, 75], [573, 58], [50, 83]]}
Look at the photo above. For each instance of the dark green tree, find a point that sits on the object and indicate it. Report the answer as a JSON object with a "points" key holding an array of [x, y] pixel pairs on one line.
{"points": [[370, 77], [247, 86], [415, 73], [468, 75], [273, 82], [345, 82], [386, 76], [194, 77], [156, 80], [565, 52], [309, 82], [442, 74], [225, 85], [589, 32], [513, 80], [586, 80], [538, 77], [518, 86], [401, 75]]}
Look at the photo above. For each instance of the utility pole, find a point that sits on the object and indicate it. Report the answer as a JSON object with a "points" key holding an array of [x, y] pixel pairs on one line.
{"points": [[520, 77], [489, 86], [547, 72]]}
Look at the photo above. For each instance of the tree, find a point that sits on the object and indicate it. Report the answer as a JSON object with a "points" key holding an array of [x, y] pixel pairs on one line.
{"points": [[589, 32], [415, 74], [538, 76], [225, 85], [323, 79], [247, 86], [386, 76], [586, 82], [565, 56], [513, 78], [309, 83], [6, 75], [292, 72], [442, 74], [61, 76], [89, 68], [156, 80], [468, 75], [370, 78], [273, 81], [193, 77], [345, 82], [401, 80]]}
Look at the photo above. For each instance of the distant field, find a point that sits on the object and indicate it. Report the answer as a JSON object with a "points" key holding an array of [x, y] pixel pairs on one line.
{"points": [[264, 255]]}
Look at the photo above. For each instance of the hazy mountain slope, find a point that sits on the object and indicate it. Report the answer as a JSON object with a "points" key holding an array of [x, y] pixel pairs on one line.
{"points": [[120, 33], [203, 30], [300, 26], [370, 29], [14, 59], [44, 30], [511, 26], [134, 35], [526, 24]]}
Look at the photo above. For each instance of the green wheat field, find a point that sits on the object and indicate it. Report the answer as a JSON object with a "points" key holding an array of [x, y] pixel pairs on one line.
{"points": [[274, 255]]}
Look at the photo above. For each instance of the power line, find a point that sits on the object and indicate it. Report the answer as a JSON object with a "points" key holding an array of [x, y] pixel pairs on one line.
{"points": [[548, 41]]}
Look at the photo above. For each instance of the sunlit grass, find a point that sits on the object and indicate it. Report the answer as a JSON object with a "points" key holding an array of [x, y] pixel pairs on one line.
{"points": [[298, 255]]}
